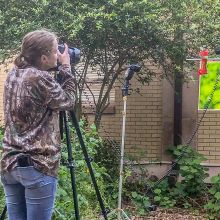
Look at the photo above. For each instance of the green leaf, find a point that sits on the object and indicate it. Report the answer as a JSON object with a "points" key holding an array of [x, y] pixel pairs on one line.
{"points": [[157, 191], [157, 198], [217, 195], [134, 194]]}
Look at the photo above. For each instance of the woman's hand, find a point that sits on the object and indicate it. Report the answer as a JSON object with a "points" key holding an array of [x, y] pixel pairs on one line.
{"points": [[64, 58]]}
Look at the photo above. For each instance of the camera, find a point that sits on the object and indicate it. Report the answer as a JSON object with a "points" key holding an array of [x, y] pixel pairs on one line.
{"points": [[73, 52]]}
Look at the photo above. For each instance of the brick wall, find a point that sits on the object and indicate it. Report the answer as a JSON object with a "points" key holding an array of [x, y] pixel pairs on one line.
{"points": [[143, 120], [209, 136]]}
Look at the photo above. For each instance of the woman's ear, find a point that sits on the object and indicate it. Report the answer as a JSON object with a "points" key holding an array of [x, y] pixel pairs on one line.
{"points": [[43, 62], [43, 59]]}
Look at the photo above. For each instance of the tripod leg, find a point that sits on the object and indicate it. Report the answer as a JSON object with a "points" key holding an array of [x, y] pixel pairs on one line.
{"points": [[125, 215], [71, 165], [87, 159]]}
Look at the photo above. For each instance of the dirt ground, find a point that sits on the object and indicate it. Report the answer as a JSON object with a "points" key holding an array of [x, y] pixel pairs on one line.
{"points": [[171, 214]]}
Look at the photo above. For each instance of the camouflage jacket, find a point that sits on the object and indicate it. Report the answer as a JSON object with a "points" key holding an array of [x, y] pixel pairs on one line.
{"points": [[32, 101]]}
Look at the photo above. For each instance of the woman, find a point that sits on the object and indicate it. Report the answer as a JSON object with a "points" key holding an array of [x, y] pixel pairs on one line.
{"points": [[31, 144]]}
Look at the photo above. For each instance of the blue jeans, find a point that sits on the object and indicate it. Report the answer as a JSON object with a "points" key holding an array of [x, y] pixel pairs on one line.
{"points": [[29, 193]]}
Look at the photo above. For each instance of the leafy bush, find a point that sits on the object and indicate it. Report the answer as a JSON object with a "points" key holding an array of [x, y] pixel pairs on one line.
{"points": [[141, 203], [213, 205], [87, 200], [108, 156], [192, 172], [191, 186], [163, 196]]}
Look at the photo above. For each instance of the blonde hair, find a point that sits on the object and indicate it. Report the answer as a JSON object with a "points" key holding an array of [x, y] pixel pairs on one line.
{"points": [[34, 45]]}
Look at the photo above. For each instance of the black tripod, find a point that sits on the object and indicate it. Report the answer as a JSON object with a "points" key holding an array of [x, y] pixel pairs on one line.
{"points": [[64, 124], [71, 162]]}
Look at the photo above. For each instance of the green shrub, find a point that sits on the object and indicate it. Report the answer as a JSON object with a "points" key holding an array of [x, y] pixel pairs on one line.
{"points": [[108, 156], [193, 173], [87, 200], [190, 187], [163, 196], [213, 205]]}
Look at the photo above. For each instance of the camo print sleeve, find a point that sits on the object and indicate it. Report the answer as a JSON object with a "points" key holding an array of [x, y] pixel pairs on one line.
{"points": [[32, 101], [46, 91]]}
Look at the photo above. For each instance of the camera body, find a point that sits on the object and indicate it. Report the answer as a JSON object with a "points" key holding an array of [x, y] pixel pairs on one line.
{"points": [[73, 52]]}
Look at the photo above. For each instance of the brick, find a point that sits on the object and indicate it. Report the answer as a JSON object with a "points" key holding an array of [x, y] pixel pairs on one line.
{"points": [[212, 119], [212, 161], [209, 157], [205, 152], [214, 136], [203, 136], [209, 132], [204, 140]]}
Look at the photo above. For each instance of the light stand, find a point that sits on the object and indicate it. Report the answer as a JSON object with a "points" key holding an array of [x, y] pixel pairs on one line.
{"points": [[128, 75]]}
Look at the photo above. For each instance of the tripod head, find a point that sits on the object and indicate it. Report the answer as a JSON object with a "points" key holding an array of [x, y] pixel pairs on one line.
{"points": [[131, 70], [128, 75]]}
